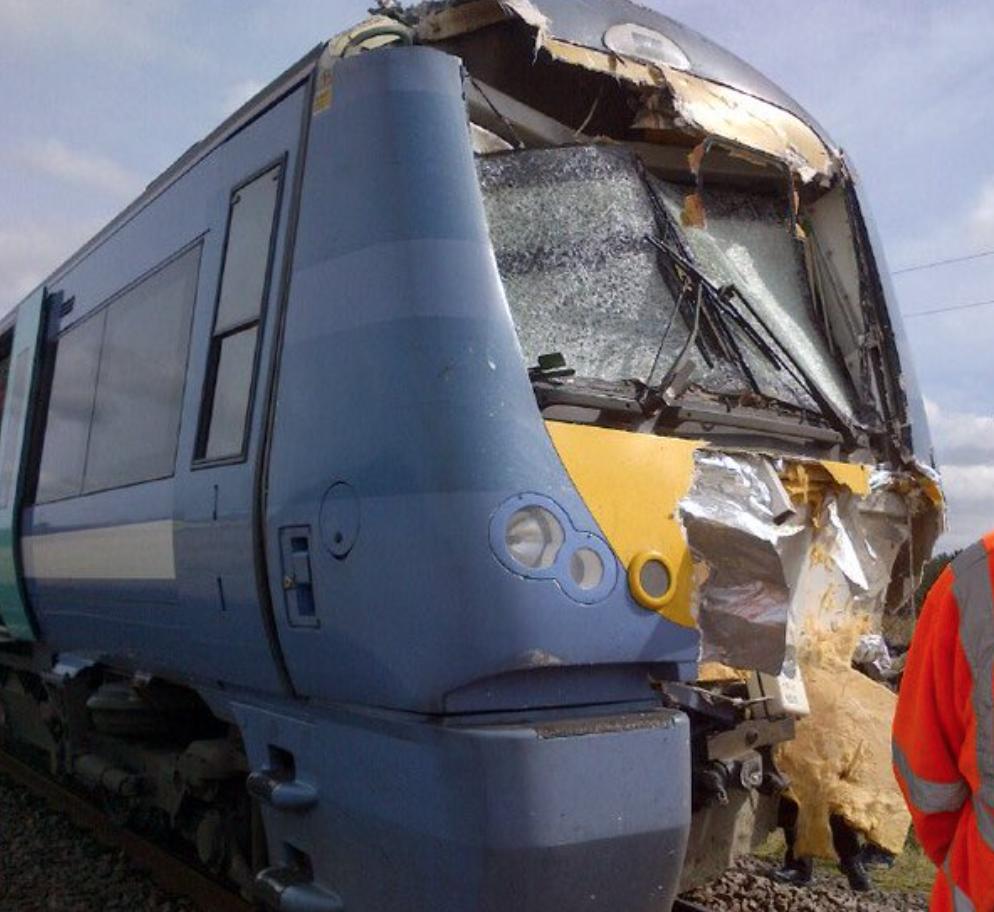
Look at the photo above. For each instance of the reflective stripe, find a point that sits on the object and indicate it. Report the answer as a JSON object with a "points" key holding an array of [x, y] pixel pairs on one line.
{"points": [[975, 599], [985, 821], [961, 902], [135, 551], [928, 796]]}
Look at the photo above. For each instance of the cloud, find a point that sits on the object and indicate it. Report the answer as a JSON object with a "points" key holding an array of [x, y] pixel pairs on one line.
{"points": [[30, 252], [131, 29], [980, 223], [239, 93], [961, 439], [965, 447], [53, 158], [969, 494]]}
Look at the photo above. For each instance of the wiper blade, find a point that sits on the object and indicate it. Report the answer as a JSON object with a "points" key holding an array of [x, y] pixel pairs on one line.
{"points": [[718, 300], [712, 304]]}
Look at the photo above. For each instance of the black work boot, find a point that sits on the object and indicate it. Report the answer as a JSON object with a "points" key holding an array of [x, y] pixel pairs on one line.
{"points": [[796, 871], [856, 874]]}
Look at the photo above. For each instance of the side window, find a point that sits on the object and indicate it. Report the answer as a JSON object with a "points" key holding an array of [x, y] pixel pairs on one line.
{"points": [[117, 388], [70, 408], [136, 414], [235, 337]]}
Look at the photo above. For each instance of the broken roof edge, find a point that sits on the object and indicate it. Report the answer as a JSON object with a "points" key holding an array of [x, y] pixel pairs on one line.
{"points": [[759, 116]]}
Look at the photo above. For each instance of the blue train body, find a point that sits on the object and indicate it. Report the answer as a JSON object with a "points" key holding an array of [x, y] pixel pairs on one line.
{"points": [[316, 561]]}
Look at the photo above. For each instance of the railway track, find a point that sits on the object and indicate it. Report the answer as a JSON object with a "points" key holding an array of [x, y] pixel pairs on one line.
{"points": [[169, 872], [685, 905]]}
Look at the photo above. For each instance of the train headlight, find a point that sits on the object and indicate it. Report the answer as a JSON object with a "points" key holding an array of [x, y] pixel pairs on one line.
{"points": [[586, 568], [534, 537], [650, 580]]}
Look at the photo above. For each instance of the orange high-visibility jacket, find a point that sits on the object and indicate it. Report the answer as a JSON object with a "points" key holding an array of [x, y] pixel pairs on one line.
{"points": [[944, 731]]}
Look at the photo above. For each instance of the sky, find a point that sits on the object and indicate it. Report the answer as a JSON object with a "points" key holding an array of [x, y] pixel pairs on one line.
{"points": [[97, 97]]}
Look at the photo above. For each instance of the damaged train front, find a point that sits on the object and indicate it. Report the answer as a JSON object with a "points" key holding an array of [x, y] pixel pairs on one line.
{"points": [[696, 289]]}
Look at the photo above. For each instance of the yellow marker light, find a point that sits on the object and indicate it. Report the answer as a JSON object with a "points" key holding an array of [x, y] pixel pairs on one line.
{"points": [[651, 580]]}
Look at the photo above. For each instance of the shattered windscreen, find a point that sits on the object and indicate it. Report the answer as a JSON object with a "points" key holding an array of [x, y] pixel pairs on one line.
{"points": [[573, 230], [568, 228]]}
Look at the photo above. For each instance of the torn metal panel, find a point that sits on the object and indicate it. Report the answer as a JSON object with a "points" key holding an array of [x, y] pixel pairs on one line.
{"points": [[814, 594], [770, 574], [447, 22], [718, 110], [735, 529], [679, 98]]}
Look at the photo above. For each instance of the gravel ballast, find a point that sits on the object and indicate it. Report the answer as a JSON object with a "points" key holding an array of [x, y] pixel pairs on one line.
{"points": [[47, 864], [748, 887]]}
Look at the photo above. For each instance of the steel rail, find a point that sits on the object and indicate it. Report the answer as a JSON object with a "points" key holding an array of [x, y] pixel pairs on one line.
{"points": [[169, 872]]}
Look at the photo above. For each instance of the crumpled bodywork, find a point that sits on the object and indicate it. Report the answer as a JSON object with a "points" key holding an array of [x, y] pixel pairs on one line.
{"points": [[811, 506], [803, 565], [789, 550]]}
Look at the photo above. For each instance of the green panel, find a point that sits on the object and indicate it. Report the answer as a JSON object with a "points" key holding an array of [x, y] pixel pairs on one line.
{"points": [[14, 612]]}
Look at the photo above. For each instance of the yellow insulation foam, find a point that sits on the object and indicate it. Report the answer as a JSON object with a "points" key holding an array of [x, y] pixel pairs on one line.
{"points": [[840, 761]]}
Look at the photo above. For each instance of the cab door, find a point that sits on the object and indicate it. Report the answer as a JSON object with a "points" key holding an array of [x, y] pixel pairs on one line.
{"points": [[16, 620]]}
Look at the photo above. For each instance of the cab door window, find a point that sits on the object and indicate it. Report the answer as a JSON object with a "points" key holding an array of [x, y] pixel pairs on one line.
{"points": [[234, 346]]}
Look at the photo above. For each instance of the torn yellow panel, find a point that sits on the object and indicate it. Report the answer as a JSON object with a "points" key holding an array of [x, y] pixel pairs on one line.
{"points": [[722, 111], [604, 62], [840, 759], [458, 20], [850, 475], [632, 484], [809, 482]]}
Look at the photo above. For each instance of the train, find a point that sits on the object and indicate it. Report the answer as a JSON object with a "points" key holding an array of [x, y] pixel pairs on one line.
{"points": [[381, 490]]}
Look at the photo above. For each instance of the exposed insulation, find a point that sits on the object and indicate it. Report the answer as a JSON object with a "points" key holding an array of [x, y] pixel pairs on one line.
{"points": [[708, 107], [458, 20], [722, 111], [839, 761]]}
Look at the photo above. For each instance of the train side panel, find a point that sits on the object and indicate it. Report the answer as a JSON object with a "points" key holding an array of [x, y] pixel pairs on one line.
{"points": [[159, 573]]}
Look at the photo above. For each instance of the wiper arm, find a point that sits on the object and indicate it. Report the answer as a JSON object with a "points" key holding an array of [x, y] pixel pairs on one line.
{"points": [[712, 304], [716, 337], [719, 300]]}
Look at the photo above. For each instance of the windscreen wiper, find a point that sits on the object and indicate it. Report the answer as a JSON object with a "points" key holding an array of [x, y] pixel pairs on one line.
{"points": [[718, 312], [719, 301], [711, 333]]}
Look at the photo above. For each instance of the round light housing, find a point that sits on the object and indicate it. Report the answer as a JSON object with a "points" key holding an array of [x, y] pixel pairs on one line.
{"points": [[655, 578], [650, 580], [586, 568], [533, 537]]}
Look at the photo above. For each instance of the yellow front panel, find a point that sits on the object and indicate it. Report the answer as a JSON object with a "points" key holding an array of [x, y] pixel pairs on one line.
{"points": [[632, 483]]}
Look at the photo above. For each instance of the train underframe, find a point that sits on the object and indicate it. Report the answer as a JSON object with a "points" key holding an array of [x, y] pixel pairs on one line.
{"points": [[531, 801]]}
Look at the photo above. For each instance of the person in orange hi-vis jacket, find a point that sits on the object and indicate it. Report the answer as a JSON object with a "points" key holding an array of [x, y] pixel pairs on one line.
{"points": [[944, 731]]}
